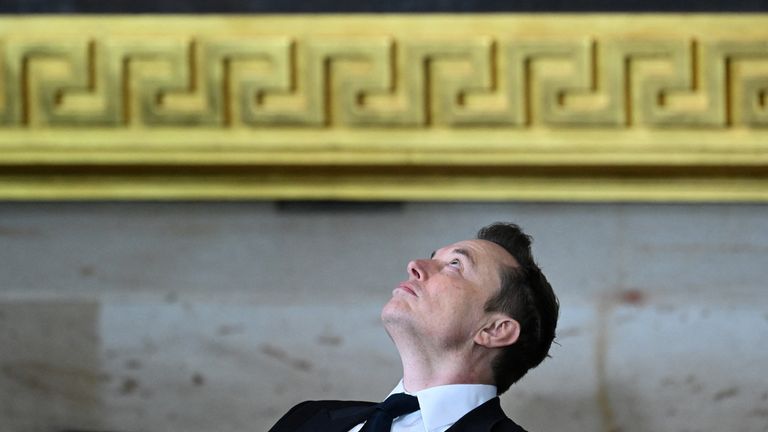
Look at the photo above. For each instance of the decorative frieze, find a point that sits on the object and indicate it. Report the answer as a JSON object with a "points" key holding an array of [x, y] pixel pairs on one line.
{"points": [[628, 104]]}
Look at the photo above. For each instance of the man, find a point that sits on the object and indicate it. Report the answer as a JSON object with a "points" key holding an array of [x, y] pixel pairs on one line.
{"points": [[469, 322]]}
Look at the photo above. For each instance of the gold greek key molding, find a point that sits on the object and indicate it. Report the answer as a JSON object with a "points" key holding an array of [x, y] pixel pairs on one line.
{"points": [[551, 107]]}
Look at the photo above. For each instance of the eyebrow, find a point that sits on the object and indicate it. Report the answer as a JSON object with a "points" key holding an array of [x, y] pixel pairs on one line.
{"points": [[460, 251]]}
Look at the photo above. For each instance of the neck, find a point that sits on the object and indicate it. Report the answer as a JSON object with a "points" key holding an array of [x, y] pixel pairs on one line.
{"points": [[424, 368]]}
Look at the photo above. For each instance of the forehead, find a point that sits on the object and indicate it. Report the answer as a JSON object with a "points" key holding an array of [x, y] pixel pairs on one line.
{"points": [[481, 253]]}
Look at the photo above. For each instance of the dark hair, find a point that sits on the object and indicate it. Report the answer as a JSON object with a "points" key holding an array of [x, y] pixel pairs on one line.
{"points": [[526, 296]]}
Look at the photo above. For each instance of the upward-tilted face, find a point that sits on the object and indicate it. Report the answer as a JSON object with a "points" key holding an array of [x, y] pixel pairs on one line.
{"points": [[443, 301]]}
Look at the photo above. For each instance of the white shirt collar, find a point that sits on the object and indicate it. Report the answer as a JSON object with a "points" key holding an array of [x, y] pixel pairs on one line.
{"points": [[442, 406]]}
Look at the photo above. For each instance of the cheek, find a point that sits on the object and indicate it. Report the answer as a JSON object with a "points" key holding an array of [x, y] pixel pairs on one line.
{"points": [[470, 306], [457, 308]]}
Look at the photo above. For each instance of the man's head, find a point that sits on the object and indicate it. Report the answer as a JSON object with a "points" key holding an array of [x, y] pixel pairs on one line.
{"points": [[484, 298]]}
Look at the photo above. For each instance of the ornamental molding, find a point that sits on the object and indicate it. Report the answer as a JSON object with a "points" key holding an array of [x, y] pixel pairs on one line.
{"points": [[417, 107]]}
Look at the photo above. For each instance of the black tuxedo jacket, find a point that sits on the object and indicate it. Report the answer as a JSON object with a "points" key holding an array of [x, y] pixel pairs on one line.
{"points": [[341, 416]]}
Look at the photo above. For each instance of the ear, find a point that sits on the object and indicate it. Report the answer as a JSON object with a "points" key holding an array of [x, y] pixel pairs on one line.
{"points": [[499, 331]]}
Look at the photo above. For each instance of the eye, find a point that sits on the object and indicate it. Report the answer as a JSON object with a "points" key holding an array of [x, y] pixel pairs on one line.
{"points": [[455, 263]]}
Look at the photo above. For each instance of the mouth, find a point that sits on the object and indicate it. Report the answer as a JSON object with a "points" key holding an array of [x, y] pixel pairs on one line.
{"points": [[407, 288]]}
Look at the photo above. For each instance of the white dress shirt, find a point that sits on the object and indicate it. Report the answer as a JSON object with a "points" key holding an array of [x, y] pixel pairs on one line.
{"points": [[440, 407]]}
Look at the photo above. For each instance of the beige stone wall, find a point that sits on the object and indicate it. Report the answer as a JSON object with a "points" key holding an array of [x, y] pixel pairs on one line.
{"points": [[220, 316]]}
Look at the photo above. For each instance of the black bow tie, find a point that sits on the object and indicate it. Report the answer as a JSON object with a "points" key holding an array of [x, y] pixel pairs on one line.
{"points": [[396, 405]]}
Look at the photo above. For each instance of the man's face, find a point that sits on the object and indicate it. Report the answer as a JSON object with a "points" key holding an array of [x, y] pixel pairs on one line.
{"points": [[443, 300]]}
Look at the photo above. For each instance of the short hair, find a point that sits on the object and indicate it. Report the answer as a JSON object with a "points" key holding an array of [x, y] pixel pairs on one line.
{"points": [[526, 296]]}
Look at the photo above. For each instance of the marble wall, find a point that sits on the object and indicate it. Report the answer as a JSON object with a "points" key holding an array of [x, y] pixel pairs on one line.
{"points": [[220, 316]]}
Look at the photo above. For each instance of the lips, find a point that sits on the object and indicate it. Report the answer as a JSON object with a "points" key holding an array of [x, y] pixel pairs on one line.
{"points": [[407, 288]]}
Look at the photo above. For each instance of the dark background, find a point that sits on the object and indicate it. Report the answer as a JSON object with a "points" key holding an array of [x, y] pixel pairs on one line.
{"points": [[295, 6]]}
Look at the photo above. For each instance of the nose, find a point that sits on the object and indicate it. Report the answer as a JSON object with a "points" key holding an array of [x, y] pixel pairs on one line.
{"points": [[417, 269]]}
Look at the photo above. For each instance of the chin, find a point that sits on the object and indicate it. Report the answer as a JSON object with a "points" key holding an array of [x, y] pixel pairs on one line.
{"points": [[394, 311]]}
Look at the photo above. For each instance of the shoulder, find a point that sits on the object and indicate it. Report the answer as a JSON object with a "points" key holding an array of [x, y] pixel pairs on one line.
{"points": [[311, 406], [327, 404], [491, 417], [299, 414], [507, 425]]}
